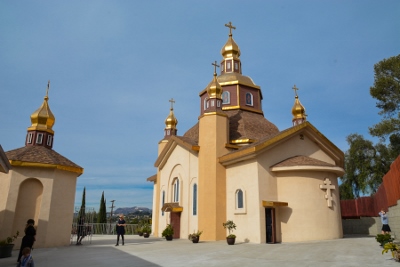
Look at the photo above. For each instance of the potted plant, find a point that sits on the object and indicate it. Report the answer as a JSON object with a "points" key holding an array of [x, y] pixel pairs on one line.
{"points": [[230, 225], [195, 236], [392, 247], [140, 232], [140, 228], [382, 239], [6, 245], [146, 230], [168, 232]]}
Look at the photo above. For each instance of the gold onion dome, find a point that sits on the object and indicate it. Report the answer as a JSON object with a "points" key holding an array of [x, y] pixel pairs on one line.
{"points": [[298, 110], [171, 121], [214, 89], [230, 49], [43, 119]]}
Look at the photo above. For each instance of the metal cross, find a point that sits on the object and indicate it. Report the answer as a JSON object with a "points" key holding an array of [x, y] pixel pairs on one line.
{"points": [[172, 103], [295, 89], [230, 26], [215, 66], [48, 88]]}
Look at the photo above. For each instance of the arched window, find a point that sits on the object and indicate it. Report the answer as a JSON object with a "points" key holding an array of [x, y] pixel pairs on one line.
{"points": [[39, 138], [239, 199], [195, 199], [249, 99], [205, 103], [49, 140], [163, 202], [226, 97], [176, 190], [30, 135]]}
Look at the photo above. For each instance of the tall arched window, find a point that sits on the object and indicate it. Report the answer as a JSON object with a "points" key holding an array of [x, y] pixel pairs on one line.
{"points": [[176, 190], [240, 202], [195, 199], [163, 202], [205, 103], [239, 199], [249, 99]]}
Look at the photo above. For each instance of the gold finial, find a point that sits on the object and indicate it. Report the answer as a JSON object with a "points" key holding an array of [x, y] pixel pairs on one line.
{"points": [[172, 103], [215, 67], [295, 89], [230, 26]]}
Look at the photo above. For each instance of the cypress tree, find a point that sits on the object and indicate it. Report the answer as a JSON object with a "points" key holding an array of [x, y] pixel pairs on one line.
{"points": [[83, 205], [101, 218]]}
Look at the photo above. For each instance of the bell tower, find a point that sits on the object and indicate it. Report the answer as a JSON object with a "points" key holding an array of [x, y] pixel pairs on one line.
{"points": [[213, 137]]}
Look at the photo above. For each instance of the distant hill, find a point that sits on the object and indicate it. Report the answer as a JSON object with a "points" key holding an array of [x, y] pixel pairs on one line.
{"points": [[129, 210]]}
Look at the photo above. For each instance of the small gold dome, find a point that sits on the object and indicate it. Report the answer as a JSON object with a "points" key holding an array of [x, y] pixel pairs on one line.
{"points": [[171, 121], [214, 89], [43, 119], [298, 110]]}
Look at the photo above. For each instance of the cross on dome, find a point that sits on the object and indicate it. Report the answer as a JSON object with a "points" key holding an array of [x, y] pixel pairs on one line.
{"points": [[215, 66], [230, 26], [295, 89], [172, 103], [328, 187]]}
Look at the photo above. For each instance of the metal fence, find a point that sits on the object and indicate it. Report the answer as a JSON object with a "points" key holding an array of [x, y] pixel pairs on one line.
{"points": [[104, 229]]}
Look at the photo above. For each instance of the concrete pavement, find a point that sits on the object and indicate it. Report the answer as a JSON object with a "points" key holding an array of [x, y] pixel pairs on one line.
{"points": [[152, 252]]}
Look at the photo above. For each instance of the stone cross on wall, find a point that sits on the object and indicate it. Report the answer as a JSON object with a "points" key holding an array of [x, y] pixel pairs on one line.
{"points": [[328, 187]]}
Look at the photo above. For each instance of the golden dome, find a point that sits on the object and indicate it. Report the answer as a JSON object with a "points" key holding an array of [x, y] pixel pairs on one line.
{"points": [[171, 121], [43, 119], [230, 49], [298, 110], [214, 89]]}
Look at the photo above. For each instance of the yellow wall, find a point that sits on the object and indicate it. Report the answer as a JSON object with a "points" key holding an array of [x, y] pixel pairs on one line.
{"points": [[46, 195], [213, 135]]}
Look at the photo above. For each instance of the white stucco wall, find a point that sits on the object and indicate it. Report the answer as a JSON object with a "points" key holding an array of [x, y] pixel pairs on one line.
{"points": [[244, 176], [307, 216], [184, 165]]}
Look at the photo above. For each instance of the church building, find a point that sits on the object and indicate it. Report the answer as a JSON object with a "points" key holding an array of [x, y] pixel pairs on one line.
{"points": [[40, 184], [234, 164]]}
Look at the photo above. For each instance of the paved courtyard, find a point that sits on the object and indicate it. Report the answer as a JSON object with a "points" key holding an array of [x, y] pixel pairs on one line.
{"points": [[152, 252]]}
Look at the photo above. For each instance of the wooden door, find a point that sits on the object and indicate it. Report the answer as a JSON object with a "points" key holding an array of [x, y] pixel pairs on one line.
{"points": [[176, 223]]}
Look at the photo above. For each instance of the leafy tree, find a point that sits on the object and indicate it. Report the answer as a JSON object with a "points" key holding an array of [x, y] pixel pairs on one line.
{"points": [[102, 216], [365, 165], [386, 90]]}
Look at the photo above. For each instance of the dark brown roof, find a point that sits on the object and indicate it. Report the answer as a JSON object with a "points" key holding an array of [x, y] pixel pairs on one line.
{"points": [[39, 154], [188, 140], [242, 125], [302, 161]]}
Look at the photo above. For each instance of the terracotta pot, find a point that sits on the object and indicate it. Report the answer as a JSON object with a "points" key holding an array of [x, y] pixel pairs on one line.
{"points": [[5, 250]]}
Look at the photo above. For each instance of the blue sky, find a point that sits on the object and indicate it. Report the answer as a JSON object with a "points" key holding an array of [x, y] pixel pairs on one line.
{"points": [[114, 65]]}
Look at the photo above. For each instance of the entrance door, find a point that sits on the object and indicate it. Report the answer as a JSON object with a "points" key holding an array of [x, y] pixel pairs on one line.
{"points": [[270, 224], [176, 223]]}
